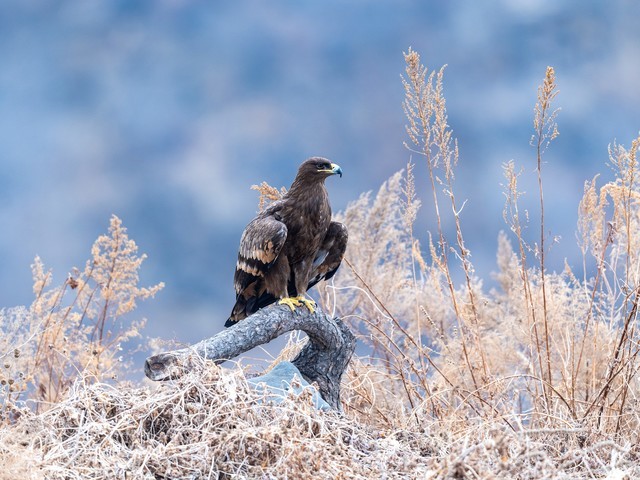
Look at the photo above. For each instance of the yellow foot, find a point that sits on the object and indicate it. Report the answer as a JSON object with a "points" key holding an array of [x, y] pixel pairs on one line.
{"points": [[293, 302], [310, 304]]}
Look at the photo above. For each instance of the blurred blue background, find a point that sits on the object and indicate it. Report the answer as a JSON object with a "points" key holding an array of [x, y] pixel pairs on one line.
{"points": [[165, 112]]}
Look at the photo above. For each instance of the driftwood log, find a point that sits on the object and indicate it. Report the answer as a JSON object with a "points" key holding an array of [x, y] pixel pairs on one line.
{"points": [[322, 360]]}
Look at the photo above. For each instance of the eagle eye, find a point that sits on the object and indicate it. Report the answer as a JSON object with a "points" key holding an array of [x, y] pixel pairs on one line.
{"points": [[323, 166]]}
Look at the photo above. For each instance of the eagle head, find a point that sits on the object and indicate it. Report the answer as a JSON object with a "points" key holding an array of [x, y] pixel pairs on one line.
{"points": [[318, 168]]}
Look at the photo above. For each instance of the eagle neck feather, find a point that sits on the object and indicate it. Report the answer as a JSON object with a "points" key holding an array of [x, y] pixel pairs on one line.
{"points": [[302, 188]]}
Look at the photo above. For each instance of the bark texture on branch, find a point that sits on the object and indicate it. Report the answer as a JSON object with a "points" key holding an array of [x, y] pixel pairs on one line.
{"points": [[323, 359]]}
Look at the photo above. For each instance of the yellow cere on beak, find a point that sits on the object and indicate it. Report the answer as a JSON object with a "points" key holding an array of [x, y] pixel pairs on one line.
{"points": [[336, 169]]}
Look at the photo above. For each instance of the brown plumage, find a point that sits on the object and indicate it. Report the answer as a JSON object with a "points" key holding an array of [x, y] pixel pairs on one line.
{"points": [[290, 246]]}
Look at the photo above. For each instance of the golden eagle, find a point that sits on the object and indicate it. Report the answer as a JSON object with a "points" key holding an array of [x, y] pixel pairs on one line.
{"points": [[290, 246]]}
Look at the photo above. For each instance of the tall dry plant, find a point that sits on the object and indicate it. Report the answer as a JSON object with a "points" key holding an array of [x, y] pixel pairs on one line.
{"points": [[608, 225], [546, 130], [428, 337], [546, 349], [76, 329], [432, 138]]}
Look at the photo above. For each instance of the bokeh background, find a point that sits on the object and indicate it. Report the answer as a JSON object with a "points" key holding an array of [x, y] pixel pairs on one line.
{"points": [[165, 112]]}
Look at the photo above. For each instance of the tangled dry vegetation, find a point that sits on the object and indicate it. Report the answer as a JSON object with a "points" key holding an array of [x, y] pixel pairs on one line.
{"points": [[533, 379]]}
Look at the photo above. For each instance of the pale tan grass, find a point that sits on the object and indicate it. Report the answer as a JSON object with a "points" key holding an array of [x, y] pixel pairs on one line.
{"points": [[209, 424], [75, 329]]}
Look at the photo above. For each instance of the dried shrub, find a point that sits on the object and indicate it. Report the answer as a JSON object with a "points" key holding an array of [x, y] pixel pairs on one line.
{"points": [[208, 424], [543, 351], [73, 330]]}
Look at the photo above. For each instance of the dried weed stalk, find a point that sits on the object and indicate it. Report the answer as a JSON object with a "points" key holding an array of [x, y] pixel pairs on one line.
{"points": [[546, 130]]}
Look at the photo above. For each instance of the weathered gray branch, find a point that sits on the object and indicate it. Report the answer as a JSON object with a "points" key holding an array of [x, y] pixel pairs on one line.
{"points": [[323, 359]]}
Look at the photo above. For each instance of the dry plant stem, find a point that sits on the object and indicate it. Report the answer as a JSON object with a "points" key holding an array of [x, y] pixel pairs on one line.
{"points": [[55, 383], [617, 364], [625, 391], [410, 217], [444, 263], [397, 324], [323, 359], [449, 157], [552, 389], [420, 375], [47, 322], [400, 358], [629, 179], [576, 371], [105, 309], [542, 264], [75, 299], [464, 257], [511, 215], [629, 182], [546, 131], [422, 103], [529, 300]]}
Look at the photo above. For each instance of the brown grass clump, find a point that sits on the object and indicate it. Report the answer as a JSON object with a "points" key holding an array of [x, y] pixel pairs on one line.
{"points": [[211, 424], [208, 424]]}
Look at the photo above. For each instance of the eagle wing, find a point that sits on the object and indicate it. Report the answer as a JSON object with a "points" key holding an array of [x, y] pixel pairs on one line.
{"points": [[260, 245], [330, 254]]}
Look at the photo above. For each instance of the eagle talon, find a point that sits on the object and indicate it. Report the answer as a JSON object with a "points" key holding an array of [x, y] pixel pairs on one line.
{"points": [[293, 302], [310, 304]]}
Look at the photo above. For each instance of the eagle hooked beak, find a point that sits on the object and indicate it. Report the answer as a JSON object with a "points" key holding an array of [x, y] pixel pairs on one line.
{"points": [[335, 169]]}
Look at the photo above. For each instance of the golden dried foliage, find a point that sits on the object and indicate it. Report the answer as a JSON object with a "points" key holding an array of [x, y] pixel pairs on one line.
{"points": [[268, 194], [545, 350], [76, 329], [544, 117]]}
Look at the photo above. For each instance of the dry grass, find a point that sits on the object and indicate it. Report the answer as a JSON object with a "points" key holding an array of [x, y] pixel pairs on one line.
{"points": [[210, 424], [73, 330], [544, 352], [533, 379]]}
